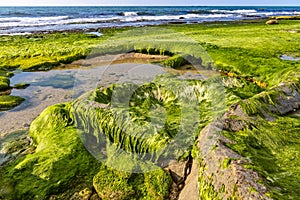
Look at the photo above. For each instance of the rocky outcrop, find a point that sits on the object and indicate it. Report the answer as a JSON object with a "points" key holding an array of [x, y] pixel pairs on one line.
{"points": [[222, 174]]}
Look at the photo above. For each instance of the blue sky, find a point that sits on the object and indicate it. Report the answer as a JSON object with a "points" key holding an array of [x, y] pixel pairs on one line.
{"points": [[146, 2]]}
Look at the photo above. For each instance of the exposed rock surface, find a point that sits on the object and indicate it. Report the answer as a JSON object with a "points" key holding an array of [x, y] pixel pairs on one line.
{"points": [[221, 171], [191, 189], [272, 21]]}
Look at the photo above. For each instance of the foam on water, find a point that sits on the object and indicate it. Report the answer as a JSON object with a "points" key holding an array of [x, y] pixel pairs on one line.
{"points": [[32, 19]]}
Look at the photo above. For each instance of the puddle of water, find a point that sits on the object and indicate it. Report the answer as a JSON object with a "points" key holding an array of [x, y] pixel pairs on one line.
{"points": [[290, 58], [97, 34], [67, 83]]}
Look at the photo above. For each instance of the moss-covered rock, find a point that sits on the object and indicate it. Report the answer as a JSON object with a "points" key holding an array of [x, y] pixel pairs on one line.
{"points": [[112, 184], [21, 85], [60, 163], [4, 83], [175, 61], [59, 160], [246, 154], [8, 102]]}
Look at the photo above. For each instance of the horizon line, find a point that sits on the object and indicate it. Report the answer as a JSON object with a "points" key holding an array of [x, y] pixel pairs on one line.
{"points": [[142, 5]]}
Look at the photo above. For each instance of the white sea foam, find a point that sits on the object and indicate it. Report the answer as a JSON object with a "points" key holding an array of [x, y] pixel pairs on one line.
{"points": [[18, 24], [12, 34], [174, 17], [244, 11], [127, 14], [31, 22]]}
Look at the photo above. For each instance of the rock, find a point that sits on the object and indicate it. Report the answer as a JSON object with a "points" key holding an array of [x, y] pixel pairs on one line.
{"points": [[95, 197], [234, 118], [232, 179], [86, 193], [279, 100], [272, 21], [177, 170], [221, 170], [15, 149], [21, 85], [191, 188]]}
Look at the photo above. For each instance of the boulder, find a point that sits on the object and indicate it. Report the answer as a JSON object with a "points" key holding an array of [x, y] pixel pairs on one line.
{"points": [[272, 21]]}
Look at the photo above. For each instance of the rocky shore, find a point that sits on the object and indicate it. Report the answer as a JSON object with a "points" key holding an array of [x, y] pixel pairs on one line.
{"points": [[244, 143]]}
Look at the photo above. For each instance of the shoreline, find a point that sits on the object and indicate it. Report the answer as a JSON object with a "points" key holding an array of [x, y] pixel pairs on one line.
{"points": [[256, 20]]}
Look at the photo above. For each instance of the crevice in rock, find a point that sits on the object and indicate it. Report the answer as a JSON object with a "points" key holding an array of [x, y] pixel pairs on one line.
{"points": [[179, 172]]}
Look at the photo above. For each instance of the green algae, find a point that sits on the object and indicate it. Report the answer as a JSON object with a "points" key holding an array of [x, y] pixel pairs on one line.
{"points": [[249, 54], [240, 87], [253, 52], [21, 85], [61, 161], [206, 188], [8, 102], [272, 148], [4, 83], [151, 122], [41, 52], [111, 184], [175, 61], [52, 167]]}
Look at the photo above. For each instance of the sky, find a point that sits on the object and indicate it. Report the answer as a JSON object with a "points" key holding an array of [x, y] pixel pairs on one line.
{"points": [[147, 2]]}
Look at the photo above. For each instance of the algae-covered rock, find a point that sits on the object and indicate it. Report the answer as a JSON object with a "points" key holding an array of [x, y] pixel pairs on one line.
{"points": [[61, 163], [155, 122], [59, 160], [250, 152], [175, 61], [21, 85], [8, 102], [112, 184], [4, 83]]}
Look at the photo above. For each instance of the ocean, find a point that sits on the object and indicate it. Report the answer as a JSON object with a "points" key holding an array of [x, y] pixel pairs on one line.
{"points": [[26, 20]]}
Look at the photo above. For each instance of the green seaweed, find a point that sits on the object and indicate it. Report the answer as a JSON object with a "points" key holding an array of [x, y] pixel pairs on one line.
{"points": [[112, 184], [252, 59], [175, 61], [206, 188], [4, 83], [21, 85], [51, 168], [272, 148], [61, 161], [8, 102]]}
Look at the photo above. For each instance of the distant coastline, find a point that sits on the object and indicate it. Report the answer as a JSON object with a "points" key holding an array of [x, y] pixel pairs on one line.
{"points": [[26, 20]]}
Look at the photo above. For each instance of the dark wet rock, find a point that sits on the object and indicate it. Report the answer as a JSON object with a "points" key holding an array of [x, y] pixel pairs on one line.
{"points": [[95, 197], [234, 118], [179, 172]]}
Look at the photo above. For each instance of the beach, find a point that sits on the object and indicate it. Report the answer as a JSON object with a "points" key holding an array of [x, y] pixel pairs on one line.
{"points": [[157, 102]]}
